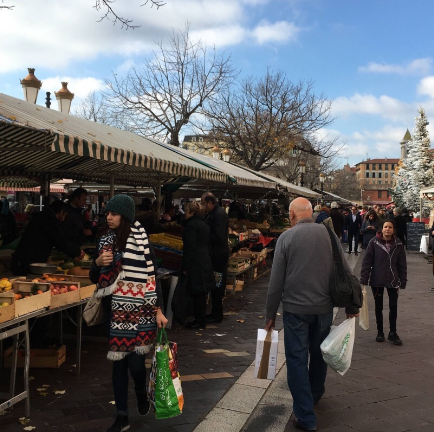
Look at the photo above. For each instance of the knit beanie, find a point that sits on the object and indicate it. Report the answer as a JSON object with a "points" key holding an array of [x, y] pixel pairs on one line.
{"points": [[334, 205], [124, 205]]}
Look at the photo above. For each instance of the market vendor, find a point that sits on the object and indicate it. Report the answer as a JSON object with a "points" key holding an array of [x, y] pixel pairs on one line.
{"points": [[73, 226], [40, 236]]}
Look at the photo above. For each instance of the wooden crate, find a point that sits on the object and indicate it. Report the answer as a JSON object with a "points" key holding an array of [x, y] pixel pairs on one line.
{"points": [[7, 313], [238, 286], [87, 291], [32, 303], [66, 298], [39, 358], [25, 286]]}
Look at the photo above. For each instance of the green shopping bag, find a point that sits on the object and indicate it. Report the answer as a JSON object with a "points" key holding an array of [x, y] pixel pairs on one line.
{"points": [[165, 391]]}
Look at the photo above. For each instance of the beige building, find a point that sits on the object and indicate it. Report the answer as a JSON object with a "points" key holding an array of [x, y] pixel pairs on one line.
{"points": [[377, 172]]}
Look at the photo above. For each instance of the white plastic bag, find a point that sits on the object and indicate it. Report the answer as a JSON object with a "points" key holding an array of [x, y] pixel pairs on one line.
{"points": [[337, 347], [364, 313]]}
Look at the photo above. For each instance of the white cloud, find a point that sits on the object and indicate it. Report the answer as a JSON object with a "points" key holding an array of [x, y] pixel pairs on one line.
{"points": [[420, 66], [81, 87], [281, 31], [426, 86], [73, 33], [383, 106]]}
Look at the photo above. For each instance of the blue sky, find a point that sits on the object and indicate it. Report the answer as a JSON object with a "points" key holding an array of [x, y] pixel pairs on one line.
{"points": [[372, 58]]}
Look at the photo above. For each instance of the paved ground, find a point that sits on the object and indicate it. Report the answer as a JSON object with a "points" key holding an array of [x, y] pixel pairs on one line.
{"points": [[388, 388]]}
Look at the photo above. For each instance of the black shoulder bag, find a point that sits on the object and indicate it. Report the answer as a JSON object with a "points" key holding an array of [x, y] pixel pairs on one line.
{"points": [[345, 288]]}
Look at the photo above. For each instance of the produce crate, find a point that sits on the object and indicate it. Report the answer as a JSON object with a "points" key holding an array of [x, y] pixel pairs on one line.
{"points": [[237, 264], [87, 291], [59, 300], [25, 286], [39, 358], [32, 303], [7, 312], [170, 260]]}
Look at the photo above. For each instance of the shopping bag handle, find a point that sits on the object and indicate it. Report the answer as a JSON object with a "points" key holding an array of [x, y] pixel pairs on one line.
{"points": [[162, 334]]}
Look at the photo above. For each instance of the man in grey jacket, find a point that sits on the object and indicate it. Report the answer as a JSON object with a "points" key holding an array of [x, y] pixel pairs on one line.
{"points": [[302, 265]]}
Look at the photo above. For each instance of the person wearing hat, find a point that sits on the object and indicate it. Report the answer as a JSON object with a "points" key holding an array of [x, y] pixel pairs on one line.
{"points": [[125, 273], [316, 212], [337, 218]]}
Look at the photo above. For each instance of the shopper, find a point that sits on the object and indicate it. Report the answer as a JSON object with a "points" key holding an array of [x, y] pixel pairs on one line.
{"points": [[369, 229], [125, 274], [218, 223], [384, 266], [303, 288], [337, 219], [324, 217], [353, 223], [196, 262], [401, 225]]}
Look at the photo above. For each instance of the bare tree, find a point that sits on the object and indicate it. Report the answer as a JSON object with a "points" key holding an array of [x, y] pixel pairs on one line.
{"points": [[172, 88], [345, 185], [262, 118], [6, 7], [109, 13]]}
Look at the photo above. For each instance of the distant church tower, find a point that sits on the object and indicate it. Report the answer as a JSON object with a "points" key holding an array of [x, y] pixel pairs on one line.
{"points": [[405, 140]]}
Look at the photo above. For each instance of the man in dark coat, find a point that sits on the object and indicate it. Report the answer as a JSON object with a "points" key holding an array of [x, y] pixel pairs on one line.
{"points": [[401, 225], [337, 219], [353, 223], [218, 223], [73, 226], [40, 236]]}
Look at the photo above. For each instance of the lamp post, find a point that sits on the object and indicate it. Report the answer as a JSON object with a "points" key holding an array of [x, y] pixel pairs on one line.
{"points": [[331, 178], [361, 196], [64, 98], [215, 152], [31, 86], [302, 168], [226, 155], [322, 178]]}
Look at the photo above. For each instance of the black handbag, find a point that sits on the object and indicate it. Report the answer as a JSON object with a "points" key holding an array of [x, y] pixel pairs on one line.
{"points": [[345, 288]]}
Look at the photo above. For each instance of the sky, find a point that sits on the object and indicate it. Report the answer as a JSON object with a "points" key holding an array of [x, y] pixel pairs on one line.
{"points": [[372, 58]]}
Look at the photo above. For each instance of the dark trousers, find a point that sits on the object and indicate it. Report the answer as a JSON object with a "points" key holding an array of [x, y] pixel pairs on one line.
{"points": [[199, 308], [393, 307], [351, 235], [135, 363], [220, 264]]}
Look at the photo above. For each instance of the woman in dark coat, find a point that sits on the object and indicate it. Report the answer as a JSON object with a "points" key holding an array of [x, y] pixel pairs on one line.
{"points": [[196, 262], [384, 266], [369, 229]]}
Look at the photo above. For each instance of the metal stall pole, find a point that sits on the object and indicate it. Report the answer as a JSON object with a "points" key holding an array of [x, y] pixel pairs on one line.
{"points": [[157, 213], [79, 337], [112, 185]]}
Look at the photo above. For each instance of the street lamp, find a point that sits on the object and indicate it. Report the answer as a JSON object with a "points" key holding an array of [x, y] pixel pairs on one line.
{"points": [[322, 178], [226, 155], [302, 168], [64, 98], [215, 152], [31, 86]]}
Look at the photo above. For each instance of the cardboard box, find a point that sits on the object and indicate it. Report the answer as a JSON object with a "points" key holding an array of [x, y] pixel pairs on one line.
{"points": [[7, 313], [266, 348], [59, 300], [87, 291], [39, 358]]}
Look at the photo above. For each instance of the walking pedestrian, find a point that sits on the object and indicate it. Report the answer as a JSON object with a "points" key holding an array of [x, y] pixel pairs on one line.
{"points": [[218, 223], [196, 262], [125, 274], [384, 266], [401, 225], [324, 217], [353, 223], [337, 219], [307, 307], [369, 229]]}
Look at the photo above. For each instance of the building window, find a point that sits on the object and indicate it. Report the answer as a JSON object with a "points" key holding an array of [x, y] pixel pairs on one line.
{"points": [[380, 193], [386, 182], [367, 166], [200, 139], [380, 175], [373, 167], [392, 167], [386, 175], [379, 181], [386, 166], [373, 175], [367, 175], [193, 139]]}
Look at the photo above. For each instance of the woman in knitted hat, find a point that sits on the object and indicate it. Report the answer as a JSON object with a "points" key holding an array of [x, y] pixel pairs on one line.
{"points": [[125, 274]]}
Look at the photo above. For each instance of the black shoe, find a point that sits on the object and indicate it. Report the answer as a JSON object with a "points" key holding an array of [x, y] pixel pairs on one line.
{"points": [[195, 325], [121, 424], [349, 253], [356, 253], [380, 337], [298, 425], [394, 338], [143, 404]]}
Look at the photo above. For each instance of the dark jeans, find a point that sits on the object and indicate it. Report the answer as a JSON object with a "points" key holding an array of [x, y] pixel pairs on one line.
{"points": [[303, 337], [135, 363], [393, 307], [220, 264], [356, 235]]}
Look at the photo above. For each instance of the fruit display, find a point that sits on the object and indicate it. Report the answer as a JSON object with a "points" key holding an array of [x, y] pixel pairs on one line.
{"points": [[5, 285], [168, 240], [62, 288]]}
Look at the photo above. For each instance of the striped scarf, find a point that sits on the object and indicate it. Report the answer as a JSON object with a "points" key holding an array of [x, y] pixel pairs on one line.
{"points": [[131, 282]]}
